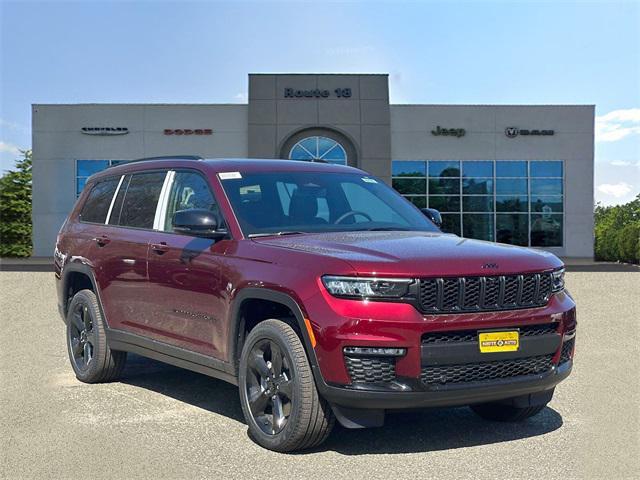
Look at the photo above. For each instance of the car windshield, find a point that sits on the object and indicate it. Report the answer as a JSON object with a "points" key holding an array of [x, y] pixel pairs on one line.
{"points": [[277, 203]]}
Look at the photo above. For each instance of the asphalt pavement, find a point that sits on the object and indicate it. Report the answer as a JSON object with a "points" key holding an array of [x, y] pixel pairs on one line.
{"points": [[162, 422]]}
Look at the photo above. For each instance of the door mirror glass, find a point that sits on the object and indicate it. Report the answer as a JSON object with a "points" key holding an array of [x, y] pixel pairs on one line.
{"points": [[433, 215], [197, 222]]}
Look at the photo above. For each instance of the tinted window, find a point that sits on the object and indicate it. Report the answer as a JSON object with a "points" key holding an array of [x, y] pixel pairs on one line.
{"points": [[546, 169], [190, 190], [97, 205], [141, 199]]}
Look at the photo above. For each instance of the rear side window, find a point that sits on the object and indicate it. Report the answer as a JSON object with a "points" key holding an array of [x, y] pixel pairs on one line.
{"points": [[96, 207], [138, 207]]}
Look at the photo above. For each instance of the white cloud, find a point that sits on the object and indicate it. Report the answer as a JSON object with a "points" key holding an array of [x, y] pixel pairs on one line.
{"points": [[617, 190], [618, 124], [9, 148], [241, 97]]}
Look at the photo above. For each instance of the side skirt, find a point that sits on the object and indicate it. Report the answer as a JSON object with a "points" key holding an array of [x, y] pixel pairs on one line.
{"points": [[179, 357]]}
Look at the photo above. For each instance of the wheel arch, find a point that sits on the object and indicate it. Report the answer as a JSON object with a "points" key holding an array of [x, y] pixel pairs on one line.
{"points": [[76, 277], [237, 327]]}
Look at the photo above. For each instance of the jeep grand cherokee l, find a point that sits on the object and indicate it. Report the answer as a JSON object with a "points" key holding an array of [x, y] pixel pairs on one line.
{"points": [[317, 289]]}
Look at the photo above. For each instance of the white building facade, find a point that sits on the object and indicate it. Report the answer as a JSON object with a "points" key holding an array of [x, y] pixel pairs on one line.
{"points": [[518, 174]]}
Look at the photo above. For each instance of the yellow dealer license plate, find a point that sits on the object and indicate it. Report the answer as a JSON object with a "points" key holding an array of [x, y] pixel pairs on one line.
{"points": [[491, 342]]}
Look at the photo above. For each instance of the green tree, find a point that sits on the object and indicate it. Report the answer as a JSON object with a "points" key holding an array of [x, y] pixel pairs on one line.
{"points": [[15, 209], [617, 232]]}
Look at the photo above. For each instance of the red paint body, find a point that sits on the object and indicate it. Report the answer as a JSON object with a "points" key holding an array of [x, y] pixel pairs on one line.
{"points": [[187, 301]]}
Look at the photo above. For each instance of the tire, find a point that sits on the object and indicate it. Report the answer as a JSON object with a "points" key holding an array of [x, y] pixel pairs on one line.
{"points": [[91, 358], [506, 413], [286, 412]]}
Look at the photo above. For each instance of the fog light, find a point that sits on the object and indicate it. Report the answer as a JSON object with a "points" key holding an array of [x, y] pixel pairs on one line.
{"points": [[375, 351]]}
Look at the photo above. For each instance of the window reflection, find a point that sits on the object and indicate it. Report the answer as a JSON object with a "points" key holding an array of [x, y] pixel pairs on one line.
{"points": [[546, 230], [510, 201], [512, 228]]}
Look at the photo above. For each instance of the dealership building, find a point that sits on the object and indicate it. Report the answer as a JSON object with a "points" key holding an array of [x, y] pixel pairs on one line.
{"points": [[518, 174]]}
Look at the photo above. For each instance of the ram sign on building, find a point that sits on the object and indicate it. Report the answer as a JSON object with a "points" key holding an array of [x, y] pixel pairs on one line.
{"points": [[517, 174]]}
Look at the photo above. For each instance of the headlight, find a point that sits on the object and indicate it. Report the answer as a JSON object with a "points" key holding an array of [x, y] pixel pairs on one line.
{"points": [[354, 287], [557, 280]]}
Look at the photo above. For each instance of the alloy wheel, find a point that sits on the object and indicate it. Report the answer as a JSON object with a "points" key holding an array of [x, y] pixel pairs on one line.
{"points": [[269, 386], [82, 337]]}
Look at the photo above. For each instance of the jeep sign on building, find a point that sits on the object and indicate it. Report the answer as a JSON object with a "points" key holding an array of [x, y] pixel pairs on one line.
{"points": [[518, 174]]}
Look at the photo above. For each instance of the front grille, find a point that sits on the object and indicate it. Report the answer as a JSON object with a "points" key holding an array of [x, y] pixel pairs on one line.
{"points": [[478, 372], [472, 335], [477, 294], [567, 348], [371, 369]]}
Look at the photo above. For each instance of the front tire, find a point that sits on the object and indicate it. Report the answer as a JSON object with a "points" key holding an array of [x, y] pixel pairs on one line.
{"points": [[278, 396], [91, 358], [506, 413]]}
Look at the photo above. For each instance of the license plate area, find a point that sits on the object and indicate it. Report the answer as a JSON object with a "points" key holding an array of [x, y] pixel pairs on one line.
{"points": [[494, 342]]}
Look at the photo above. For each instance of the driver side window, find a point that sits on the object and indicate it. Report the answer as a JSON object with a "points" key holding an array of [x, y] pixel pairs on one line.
{"points": [[189, 190]]}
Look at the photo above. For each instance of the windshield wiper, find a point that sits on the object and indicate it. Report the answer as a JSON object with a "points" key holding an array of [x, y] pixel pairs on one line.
{"points": [[274, 234]]}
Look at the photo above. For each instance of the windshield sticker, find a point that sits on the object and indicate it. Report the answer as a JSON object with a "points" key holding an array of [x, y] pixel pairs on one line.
{"points": [[229, 175], [369, 180]]}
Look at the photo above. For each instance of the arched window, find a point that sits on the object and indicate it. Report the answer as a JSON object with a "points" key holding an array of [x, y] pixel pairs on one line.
{"points": [[314, 149]]}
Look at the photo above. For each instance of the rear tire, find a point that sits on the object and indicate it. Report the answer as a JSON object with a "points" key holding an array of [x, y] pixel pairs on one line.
{"points": [[279, 399], [506, 413], [91, 358]]}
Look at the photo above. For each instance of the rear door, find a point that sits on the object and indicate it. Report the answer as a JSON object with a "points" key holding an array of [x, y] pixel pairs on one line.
{"points": [[187, 296], [121, 263]]}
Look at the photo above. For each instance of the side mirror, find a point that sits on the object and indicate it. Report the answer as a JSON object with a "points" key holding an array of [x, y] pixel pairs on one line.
{"points": [[197, 222], [433, 215]]}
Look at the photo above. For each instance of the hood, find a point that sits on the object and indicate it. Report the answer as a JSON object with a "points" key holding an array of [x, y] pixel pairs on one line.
{"points": [[418, 253]]}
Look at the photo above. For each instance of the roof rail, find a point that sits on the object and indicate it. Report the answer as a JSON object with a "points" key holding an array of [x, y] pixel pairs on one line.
{"points": [[165, 157]]}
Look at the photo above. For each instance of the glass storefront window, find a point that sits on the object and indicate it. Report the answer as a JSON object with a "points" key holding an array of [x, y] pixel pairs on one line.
{"points": [[546, 204], [546, 230], [546, 186], [86, 168], [510, 201], [477, 168], [444, 169], [511, 169], [478, 226], [410, 186], [477, 186], [511, 186], [512, 228], [451, 223], [445, 203], [420, 202], [477, 203], [444, 186], [546, 169], [409, 169]]}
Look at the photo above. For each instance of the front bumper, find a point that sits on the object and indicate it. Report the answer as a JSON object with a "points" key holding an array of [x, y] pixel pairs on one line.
{"points": [[543, 360], [467, 394]]}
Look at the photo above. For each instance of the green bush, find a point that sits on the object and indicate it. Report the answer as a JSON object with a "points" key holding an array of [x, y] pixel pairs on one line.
{"points": [[15, 209], [617, 232]]}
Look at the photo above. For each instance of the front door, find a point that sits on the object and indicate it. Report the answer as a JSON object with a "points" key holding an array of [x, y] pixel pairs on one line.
{"points": [[187, 296]]}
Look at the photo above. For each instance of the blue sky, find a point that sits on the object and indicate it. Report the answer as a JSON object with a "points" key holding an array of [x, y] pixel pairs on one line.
{"points": [[474, 52]]}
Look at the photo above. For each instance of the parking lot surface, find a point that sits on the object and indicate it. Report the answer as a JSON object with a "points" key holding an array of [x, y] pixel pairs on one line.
{"points": [[163, 422]]}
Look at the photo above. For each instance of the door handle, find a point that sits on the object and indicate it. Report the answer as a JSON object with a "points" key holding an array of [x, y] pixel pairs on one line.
{"points": [[160, 248], [102, 240]]}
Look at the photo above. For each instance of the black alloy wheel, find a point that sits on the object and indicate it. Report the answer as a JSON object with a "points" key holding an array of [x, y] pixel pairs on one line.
{"points": [[269, 385], [91, 358], [81, 337], [278, 395]]}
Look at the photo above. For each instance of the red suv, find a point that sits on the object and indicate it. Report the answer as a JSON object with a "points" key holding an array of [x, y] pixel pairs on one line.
{"points": [[316, 288]]}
